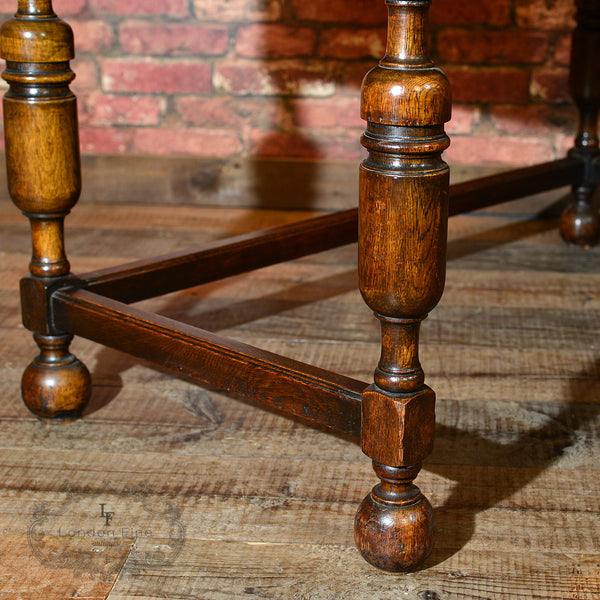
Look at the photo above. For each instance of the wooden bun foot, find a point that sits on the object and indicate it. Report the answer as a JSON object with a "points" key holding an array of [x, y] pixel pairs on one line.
{"points": [[394, 526], [56, 386], [580, 221]]}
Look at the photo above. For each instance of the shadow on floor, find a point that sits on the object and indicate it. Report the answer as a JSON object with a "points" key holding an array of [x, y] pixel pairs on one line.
{"points": [[534, 451]]}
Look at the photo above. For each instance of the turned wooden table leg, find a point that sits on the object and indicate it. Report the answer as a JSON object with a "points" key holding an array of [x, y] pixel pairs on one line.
{"points": [[403, 216], [580, 222], [42, 154]]}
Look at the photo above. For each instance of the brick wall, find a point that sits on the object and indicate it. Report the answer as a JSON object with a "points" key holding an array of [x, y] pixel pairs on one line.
{"points": [[281, 77]]}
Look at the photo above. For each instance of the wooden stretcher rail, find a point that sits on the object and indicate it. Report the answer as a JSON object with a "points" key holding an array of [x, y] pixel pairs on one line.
{"points": [[153, 277], [313, 395], [487, 191]]}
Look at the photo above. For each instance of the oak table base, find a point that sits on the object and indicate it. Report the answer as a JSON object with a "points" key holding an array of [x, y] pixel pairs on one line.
{"points": [[400, 225]]}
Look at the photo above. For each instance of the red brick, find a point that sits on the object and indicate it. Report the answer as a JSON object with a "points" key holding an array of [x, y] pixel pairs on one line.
{"points": [[464, 119], [99, 140], [344, 147], [127, 110], [188, 141], [274, 41], [500, 85], [227, 111], [562, 50], [564, 143], [86, 74], [85, 105], [64, 8], [326, 113], [284, 77], [499, 150], [69, 7], [237, 10], [352, 43], [171, 8], [467, 46], [538, 119], [353, 73], [551, 85], [467, 12], [153, 76], [545, 14], [92, 36], [279, 143], [61, 7], [322, 117], [361, 12], [168, 39]]}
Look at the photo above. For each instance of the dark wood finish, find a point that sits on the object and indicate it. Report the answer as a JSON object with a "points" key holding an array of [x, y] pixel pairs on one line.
{"points": [[512, 350], [149, 278], [224, 258], [56, 386], [494, 189], [403, 217], [42, 156], [394, 523], [580, 222], [311, 394], [400, 225]]}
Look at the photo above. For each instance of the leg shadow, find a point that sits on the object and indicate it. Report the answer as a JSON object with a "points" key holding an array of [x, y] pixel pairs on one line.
{"points": [[534, 452]]}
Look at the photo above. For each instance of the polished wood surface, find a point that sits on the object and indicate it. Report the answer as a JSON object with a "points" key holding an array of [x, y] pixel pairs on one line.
{"points": [[177, 270], [44, 180], [511, 350], [312, 395], [402, 228], [580, 222], [404, 205]]}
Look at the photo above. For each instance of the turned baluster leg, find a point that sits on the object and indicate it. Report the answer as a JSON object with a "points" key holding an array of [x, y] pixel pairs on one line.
{"points": [[580, 222], [42, 155], [403, 216]]}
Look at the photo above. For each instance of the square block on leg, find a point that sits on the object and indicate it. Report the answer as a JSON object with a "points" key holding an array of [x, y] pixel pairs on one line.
{"points": [[397, 430]]}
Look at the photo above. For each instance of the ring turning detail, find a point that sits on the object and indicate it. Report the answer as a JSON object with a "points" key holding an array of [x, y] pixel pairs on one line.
{"points": [[400, 225]]}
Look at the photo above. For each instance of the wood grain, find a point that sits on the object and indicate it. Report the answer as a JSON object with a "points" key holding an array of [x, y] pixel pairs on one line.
{"points": [[512, 351]]}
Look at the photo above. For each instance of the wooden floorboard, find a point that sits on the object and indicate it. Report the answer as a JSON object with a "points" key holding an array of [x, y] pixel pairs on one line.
{"points": [[216, 499]]}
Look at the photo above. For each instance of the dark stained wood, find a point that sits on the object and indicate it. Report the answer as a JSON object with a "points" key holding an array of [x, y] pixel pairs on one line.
{"points": [[394, 526], [401, 227], [56, 386], [407, 423], [402, 224], [35, 35], [580, 222], [267, 503], [584, 78], [518, 183], [161, 275], [44, 180], [186, 182], [311, 394]]}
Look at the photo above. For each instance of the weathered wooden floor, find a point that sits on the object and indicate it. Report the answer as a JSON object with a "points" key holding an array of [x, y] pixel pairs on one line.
{"points": [[213, 499]]}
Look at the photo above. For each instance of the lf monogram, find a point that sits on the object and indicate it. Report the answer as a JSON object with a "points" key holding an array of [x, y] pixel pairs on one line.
{"points": [[107, 515]]}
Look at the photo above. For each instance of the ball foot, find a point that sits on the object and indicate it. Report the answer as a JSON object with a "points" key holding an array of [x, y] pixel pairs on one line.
{"points": [[580, 221], [56, 386], [394, 525]]}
